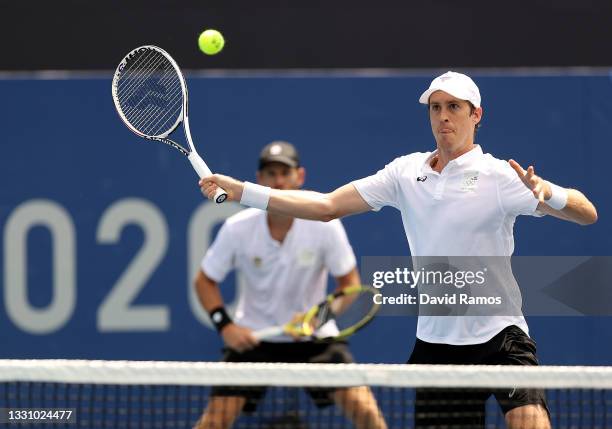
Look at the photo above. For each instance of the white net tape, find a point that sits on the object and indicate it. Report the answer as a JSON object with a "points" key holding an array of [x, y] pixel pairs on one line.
{"points": [[282, 374]]}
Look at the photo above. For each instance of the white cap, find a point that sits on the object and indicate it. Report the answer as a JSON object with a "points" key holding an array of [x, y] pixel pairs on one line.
{"points": [[456, 84]]}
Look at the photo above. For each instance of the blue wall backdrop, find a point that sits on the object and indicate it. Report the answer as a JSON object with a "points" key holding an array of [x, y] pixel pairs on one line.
{"points": [[101, 230]]}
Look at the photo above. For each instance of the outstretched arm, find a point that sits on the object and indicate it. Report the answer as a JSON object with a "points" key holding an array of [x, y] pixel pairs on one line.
{"points": [[343, 201], [578, 208]]}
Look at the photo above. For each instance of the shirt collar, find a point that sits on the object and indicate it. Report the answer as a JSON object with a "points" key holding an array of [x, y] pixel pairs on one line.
{"points": [[468, 157], [471, 156]]}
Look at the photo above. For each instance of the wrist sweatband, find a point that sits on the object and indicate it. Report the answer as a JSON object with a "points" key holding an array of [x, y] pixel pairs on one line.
{"points": [[558, 199], [220, 318], [254, 195]]}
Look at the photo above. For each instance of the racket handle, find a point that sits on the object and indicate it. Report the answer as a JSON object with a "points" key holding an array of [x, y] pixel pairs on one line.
{"points": [[220, 196], [274, 331], [202, 169]]}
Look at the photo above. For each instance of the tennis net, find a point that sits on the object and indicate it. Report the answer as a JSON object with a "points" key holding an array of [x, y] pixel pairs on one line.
{"points": [[128, 394]]}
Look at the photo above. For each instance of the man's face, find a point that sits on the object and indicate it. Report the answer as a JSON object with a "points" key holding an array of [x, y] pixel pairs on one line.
{"points": [[281, 176], [452, 121]]}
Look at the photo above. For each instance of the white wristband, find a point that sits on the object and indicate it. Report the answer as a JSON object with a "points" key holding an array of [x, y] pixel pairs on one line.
{"points": [[558, 199], [254, 195]]}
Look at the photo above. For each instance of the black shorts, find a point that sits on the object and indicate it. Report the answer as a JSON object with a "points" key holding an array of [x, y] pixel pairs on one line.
{"points": [[295, 352], [466, 408]]}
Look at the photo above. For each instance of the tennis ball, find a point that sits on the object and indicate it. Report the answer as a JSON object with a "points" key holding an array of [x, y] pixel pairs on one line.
{"points": [[211, 42]]}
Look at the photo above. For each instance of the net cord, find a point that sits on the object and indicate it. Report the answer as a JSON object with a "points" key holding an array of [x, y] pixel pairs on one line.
{"points": [[340, 375]]}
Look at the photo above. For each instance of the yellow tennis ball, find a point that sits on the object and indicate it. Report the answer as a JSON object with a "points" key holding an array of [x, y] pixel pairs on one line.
{"points": [[211, 42]]}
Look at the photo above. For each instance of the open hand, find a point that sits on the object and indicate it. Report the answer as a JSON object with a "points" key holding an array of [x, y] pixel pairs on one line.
{"points": [[538, 186]]}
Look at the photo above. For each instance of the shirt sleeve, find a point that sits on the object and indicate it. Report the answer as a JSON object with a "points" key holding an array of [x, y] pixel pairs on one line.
{"points": [[515, 198], [219, 258], [339, 255], [380, 189]]}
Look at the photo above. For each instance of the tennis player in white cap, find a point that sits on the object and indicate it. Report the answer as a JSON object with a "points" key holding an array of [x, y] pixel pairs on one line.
{"points": [[454, 201]]}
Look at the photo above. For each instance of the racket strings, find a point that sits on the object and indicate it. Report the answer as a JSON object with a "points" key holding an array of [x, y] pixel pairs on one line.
{"points": [[135, 80], [153, 119], [142, 68], [129, 72], [324, 315], [150, 77], [171, 111], [361, 306]]}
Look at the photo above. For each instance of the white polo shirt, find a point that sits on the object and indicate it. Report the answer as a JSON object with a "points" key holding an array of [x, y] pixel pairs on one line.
{"points": [[468, 209], [281, 279]]}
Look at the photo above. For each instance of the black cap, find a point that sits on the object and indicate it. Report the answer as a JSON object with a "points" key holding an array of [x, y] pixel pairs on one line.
{"points": [[279, 151]]}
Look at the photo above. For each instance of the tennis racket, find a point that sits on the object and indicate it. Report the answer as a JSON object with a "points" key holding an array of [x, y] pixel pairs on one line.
{"points": [[150, 95], [339, 316]]}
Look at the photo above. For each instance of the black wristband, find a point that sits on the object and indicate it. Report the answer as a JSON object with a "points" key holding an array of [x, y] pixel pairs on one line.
{"points": [[220, 318]]}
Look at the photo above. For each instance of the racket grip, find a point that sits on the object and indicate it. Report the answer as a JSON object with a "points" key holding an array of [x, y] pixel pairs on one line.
{"points": [[202, 169], [274, 331]]}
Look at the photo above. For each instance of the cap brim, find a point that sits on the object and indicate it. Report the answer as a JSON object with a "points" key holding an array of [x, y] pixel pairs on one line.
{"points": [[424, 98], [280, 159]]}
